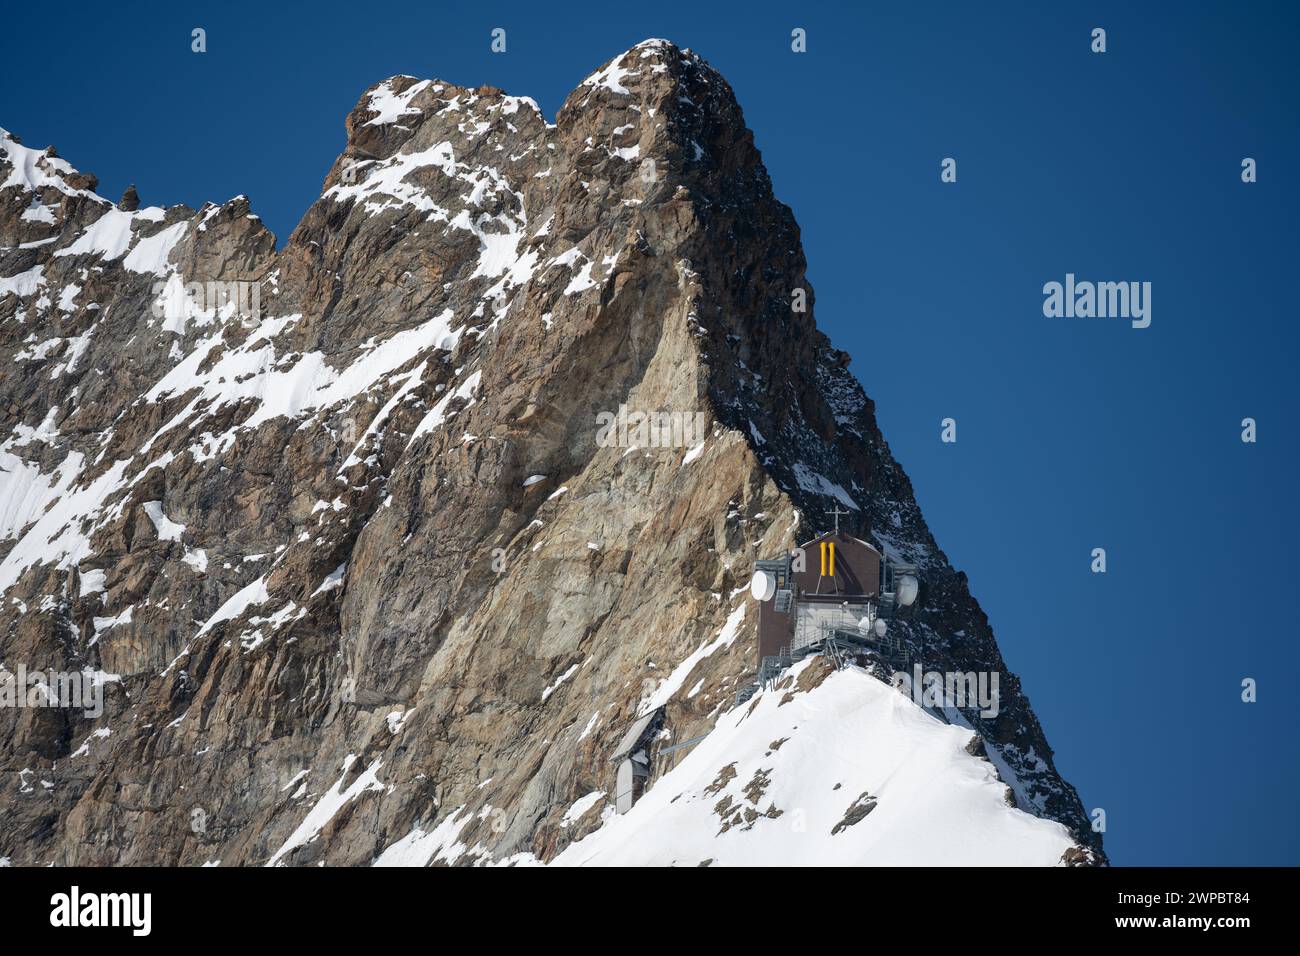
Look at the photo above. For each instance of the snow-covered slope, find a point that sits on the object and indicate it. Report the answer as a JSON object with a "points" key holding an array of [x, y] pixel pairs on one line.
{"points": [[786, 778]]}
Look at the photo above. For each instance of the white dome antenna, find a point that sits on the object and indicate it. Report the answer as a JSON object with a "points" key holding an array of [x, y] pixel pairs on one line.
{"points": [[762, 586], [908, 588]]}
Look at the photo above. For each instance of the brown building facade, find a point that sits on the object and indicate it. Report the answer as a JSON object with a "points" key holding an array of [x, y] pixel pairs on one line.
{"points": [[833, 568]]}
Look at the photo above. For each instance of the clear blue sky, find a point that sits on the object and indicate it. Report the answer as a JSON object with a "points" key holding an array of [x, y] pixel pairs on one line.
{"points": [[1072, 433]]}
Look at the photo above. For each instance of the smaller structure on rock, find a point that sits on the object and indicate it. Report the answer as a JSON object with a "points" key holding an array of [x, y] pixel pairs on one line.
{"points": [[633, 758]]}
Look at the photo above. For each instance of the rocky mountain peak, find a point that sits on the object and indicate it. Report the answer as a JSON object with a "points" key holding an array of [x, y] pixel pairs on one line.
{"points": [[339, 533]]}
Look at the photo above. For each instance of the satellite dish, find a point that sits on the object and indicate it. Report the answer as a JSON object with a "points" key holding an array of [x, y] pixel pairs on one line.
{"points": [[881, 627], [762, 586], [907, 589]]}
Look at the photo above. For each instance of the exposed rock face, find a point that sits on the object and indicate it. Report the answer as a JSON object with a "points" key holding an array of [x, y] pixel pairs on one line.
{"points": [[332, 523]]}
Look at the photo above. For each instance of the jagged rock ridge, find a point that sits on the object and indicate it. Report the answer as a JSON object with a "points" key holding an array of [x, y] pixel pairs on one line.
{"points": [[338, 539]]}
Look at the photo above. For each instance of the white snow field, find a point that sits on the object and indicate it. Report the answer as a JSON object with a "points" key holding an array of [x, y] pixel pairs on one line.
{"points": [[937, 804]]}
